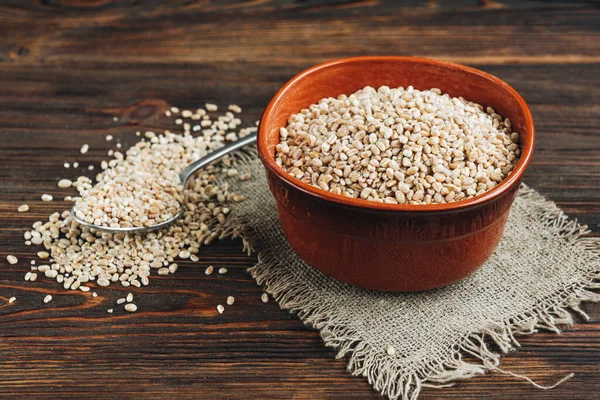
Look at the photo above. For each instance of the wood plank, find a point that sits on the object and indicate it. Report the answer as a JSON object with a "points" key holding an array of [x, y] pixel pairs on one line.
{"points": [[69, 67]]}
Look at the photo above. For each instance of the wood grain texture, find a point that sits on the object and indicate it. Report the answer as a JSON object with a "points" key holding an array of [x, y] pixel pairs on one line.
{"points": [[68, 67]]}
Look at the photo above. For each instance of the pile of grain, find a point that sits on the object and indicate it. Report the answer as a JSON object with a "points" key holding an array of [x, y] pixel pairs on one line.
{"points": [[76, 256], [399, 146]]}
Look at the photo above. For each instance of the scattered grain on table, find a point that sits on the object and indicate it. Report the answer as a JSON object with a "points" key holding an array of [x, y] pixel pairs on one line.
{"points": [[79, 255]]}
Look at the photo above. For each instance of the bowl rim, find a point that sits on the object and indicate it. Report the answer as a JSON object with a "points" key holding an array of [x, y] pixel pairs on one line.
{"points": [[505, 185]]}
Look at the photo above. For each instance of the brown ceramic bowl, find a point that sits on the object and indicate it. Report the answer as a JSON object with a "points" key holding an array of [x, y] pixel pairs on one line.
{"points": [[391, 247]]}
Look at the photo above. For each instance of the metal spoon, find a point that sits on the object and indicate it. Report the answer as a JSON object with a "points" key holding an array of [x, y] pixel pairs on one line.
{"points": [[183, 176]]}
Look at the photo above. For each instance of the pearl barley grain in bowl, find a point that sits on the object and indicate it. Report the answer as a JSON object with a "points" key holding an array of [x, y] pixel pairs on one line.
{"points": [[395, 173], [399, 146]]}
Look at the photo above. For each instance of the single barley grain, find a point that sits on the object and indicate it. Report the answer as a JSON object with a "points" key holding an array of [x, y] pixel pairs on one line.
{"points": [[84, 149], [184, 254], [222, 271], [23, 208], [264, 297], [235, 108], [66, 165], [209, 270], [75, 164], [64, 183], [47, 197], [110, 311], [230, 300], [129, 297], [220, 309], [43, 254], [94, 294], [103, 282], [130, 307], [51, 273], [211, 107], [109, 138], [12, 259], [12, 300], [390, 350], [47, 299], [121, 300]]}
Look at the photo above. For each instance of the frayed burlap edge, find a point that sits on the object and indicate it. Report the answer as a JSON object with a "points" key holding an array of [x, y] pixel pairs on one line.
{"points": [[444, 370]]}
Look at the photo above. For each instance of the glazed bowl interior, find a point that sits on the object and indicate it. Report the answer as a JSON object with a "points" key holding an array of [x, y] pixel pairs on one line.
{"points": [[346, 76]]}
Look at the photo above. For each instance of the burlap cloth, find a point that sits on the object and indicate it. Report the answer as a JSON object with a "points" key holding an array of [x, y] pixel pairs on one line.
{"points": [[541, 271]]}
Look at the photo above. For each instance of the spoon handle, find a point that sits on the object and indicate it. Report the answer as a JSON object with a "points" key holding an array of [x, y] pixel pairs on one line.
{"points": [[215, 155]]}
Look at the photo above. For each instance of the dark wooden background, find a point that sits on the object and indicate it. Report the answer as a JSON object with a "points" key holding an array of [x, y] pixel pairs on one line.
{"points": [[67, 68]]}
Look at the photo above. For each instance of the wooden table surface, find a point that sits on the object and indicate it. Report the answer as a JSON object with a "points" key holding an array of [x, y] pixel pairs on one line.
{"points": [[68, 68]]}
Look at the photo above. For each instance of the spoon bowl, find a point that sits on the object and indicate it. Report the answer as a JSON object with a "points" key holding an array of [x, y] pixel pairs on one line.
{"points": [[184, 176], [128, 229]]}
